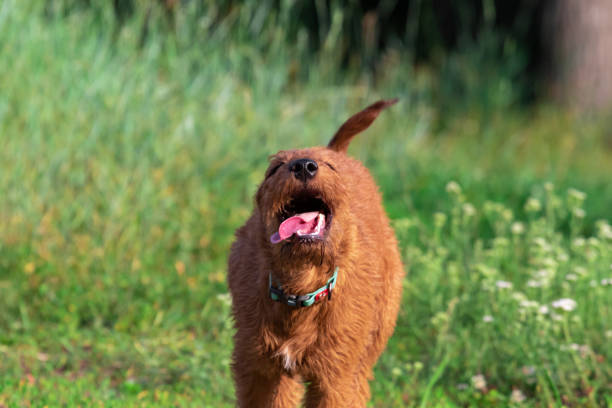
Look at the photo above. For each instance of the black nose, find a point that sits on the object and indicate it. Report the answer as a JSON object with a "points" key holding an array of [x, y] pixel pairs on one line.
{"points": [[303, 169]]}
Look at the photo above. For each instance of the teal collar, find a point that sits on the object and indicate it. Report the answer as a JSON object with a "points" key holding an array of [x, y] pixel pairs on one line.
{"points": [[277, 294]]}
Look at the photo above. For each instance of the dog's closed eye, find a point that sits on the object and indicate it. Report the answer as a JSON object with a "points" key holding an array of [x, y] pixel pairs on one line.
{"points": [[272, 170], [330, 166]]}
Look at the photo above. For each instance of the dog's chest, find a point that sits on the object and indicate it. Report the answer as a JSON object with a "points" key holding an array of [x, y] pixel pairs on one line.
{"points": [[287, 360], [294, 350], [294, 358]]}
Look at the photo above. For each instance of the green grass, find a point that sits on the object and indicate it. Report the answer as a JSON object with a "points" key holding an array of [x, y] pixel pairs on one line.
{"points": [[124, 172]]}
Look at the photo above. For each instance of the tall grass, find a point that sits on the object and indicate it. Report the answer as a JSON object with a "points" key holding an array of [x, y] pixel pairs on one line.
{"points": [[126, 167]]}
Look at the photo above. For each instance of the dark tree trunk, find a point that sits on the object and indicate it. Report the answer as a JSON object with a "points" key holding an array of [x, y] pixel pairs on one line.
{"points": [[580, 35]]}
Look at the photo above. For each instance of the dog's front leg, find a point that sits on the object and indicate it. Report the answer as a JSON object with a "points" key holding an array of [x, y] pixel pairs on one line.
{"points": [[255, 389], [334, 393]]}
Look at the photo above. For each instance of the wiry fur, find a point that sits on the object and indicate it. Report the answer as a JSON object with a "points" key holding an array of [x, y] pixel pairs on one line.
{"points": [[333, 344]]}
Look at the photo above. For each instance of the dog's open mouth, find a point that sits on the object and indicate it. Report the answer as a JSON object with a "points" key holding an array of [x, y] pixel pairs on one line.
{"points": [[306, 216]]}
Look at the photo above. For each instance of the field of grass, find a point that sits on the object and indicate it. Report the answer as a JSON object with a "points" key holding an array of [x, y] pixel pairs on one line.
{"points": [[124, 172]]}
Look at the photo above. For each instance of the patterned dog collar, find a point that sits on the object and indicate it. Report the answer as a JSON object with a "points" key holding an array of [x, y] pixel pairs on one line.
{"points": [[277, 294]]}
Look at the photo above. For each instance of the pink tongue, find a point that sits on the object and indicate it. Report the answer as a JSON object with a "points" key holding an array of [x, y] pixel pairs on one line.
{"points": [[305, 223]]}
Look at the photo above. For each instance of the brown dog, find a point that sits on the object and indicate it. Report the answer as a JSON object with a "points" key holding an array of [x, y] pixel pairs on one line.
{"points": [[318, 228]]}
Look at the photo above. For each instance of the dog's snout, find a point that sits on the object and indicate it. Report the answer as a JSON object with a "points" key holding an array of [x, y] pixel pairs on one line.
{"points": [[303, 169]]}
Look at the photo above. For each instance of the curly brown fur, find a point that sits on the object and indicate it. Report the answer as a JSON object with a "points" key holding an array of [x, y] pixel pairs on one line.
{"points": [[333, 344]]}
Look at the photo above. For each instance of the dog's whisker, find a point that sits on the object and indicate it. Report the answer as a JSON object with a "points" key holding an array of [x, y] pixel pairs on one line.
{"points": [[322, 254]]}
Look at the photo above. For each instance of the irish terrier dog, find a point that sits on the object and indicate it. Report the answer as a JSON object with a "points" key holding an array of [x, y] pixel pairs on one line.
{"points": [[316, 279]]}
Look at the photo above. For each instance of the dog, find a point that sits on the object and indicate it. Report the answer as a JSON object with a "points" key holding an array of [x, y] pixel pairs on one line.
{"points": [[315, 277]]}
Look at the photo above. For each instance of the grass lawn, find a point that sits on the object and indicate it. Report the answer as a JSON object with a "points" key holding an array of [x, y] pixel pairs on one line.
{"points": [[124, 172]]}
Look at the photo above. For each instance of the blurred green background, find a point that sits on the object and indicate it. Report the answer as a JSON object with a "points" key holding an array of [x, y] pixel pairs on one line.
{"points": [[133, 135]]}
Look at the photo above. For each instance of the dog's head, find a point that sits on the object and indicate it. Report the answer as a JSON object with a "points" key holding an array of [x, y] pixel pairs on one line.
{"points": [[304, 200]]}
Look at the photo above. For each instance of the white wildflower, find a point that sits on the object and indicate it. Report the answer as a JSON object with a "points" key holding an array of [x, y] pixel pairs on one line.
{"points": [[533, 205], [225, 298], [541, 242], [518, 228], [528, 370], [571, 277], [479, 382], [534, 283], [566, 304], [604, 229], [453, 187], [468, 210], [580, 271], [609, 334], [527, 304], [549, 262], [576, 194], [578, 213], [517, 396], [578, 242], [503, 284], [570, 347], [543, 309], [507, 215], [543, 273], [584, 350], [487, 318], [439, 219]]}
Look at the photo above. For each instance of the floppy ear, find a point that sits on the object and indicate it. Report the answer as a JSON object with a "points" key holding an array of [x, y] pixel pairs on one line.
{"points": [[357, 123]]}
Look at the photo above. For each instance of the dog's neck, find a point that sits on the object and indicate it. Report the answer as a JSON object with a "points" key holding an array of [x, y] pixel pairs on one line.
{"points": [[298, 278]]}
